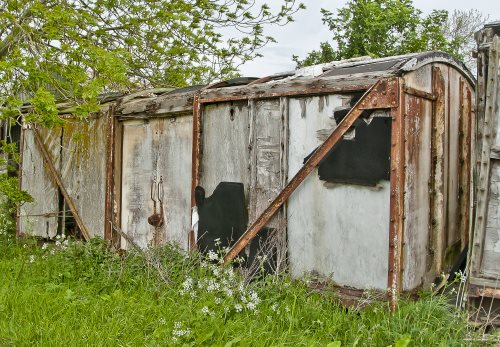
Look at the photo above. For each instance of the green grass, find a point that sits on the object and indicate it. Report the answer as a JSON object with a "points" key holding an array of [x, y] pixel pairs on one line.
{"points": [[84, 295]]}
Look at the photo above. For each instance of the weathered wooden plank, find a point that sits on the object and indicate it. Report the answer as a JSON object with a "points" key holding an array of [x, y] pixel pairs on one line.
{"points": [[418, 132], [483, 183], [159, 149], [40, 217], [83, 169], [225, 141], [56, 177], [265, 153], [293, 86]]}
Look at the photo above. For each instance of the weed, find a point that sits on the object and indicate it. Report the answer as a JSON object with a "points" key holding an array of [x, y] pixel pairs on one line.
{"points": [[82, 294]]}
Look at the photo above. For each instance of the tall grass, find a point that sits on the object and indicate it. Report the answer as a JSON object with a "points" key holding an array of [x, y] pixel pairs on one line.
{"points": [[79, 294]]}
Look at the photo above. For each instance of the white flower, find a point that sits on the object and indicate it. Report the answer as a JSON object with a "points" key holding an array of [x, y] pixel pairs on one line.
{"points": [[65, 243], [206, 311], [58, 243], [32, 258], [177, 325], [212, 285], [58, 237], [162, 321], [218, 301], [44, 246], [187, 285], [251, 305], [212, 255], [238, 307]]}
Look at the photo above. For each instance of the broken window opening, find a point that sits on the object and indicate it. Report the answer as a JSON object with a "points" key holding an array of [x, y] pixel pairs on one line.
{"points": [[363, 156], [223, 216]]}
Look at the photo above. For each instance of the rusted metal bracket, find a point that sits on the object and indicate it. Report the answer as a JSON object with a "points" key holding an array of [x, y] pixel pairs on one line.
{"points": [[110, 162], [53, 173], [383, 94], [195, 160], [419, 93]]}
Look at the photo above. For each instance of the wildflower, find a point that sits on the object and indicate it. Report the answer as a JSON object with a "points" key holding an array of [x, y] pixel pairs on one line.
{"points": [[32, 258], [65, 243], [187, 285], [251, 305], [212, 285], [238, 307], [274, 307], [177, 325], [212, 255], [218, 301], [44, 246], [217, 241], [58, 243], [162, 321], [206, 311], [58, 237]]}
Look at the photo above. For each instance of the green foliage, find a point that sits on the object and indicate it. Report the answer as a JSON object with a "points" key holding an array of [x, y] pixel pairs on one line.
{"points": [[81, 294], [79, 49], [380, 28], [10, 195]]}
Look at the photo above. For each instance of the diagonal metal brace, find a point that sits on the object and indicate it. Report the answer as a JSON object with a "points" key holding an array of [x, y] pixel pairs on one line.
{"points": [[53, 173], [382, 95]]}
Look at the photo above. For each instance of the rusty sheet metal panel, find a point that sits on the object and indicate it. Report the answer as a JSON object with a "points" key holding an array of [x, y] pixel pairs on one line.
{"points": [[225, 145], [418, 132], [338, 231], [39, 218], [159, 148], [83, 169]]}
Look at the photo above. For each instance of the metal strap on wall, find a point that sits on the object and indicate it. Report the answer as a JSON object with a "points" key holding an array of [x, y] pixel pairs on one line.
{"points": [[54, 174]]}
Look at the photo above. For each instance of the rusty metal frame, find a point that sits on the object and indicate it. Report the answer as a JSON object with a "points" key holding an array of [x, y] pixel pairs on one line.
{"points": [[419, 93], [295, 93], [110, 158], [195, 160], [396, 213], [55, 176], [384, 94]]}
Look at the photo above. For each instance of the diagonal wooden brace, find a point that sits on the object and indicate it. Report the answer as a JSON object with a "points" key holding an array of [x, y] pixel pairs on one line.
{"points": [[382, 95], [53, 173]]}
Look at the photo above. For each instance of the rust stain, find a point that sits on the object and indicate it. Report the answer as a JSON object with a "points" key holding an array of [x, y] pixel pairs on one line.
{"points": [[394, 278]]}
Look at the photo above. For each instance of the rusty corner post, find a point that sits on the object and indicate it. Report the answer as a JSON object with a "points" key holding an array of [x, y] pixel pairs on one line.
{"points": [[395, 260], [195, 160], [109, 183], [58, 181], [383, 94]]}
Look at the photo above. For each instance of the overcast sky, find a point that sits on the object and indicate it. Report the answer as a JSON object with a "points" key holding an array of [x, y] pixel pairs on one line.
{"points": [[308, 31]]}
